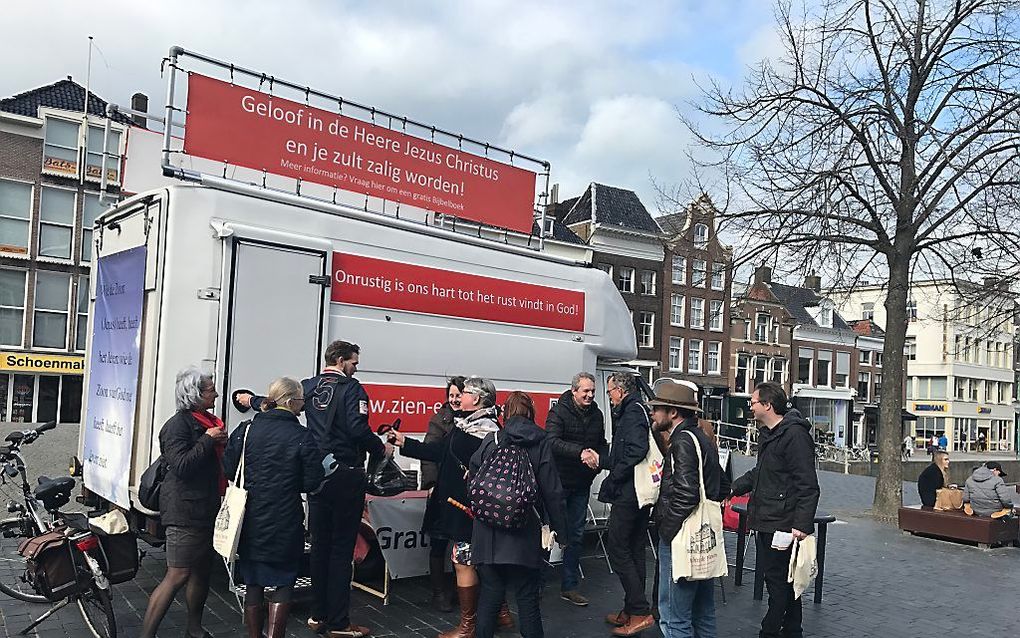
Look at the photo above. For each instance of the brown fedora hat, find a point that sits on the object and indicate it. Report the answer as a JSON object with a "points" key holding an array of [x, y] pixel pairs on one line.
{"points": [[675, 395]]}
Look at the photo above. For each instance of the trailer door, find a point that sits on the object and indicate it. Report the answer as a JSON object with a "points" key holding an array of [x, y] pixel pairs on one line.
{"points": [[276, 312]]}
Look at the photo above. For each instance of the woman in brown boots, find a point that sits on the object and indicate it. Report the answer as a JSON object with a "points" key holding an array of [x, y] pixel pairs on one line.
{"points": [[453, 453], [280, 462]]}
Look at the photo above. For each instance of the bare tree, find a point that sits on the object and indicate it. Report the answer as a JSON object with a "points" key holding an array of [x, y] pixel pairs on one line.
{"points": [[883, 141]]}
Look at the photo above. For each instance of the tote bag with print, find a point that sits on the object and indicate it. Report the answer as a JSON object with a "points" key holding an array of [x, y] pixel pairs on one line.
{"points": [[699, 552], [803, 565], [227, 529]]}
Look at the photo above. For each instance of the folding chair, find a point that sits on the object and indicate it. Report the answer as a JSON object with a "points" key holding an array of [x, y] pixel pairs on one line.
{"points": [[599, 525]]}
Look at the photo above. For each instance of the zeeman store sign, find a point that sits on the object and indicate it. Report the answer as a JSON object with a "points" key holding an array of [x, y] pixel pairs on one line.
{"points": [[51, 363]]}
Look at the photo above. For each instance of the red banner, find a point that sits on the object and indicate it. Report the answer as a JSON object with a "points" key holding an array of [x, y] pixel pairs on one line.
{"points": [[366, 281], [414, 406], [245, 127]]}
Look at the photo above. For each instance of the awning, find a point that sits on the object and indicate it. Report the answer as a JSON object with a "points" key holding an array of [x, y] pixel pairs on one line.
{"points": [[872, 412]]}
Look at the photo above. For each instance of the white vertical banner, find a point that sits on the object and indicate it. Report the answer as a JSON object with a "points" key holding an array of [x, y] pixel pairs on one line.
{"points": [[113, 374]]}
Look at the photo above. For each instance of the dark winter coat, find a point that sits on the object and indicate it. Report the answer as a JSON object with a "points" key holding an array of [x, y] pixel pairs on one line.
{"points": [[190, 495], [281, 462], [439, 426], [680, 491], [987, 493], [783, 484], [930, 481], [571, 430], [630, 447], [492, 546], [349, 436], [453, 454]]}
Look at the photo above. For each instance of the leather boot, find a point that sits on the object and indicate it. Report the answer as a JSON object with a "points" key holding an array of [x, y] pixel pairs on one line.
{"points": [[504, 620], [253, 619], [277, 620], [441, 601], [468, 607]]}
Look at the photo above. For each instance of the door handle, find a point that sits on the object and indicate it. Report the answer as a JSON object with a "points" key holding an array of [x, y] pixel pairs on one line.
{"points": [[322, 280]]}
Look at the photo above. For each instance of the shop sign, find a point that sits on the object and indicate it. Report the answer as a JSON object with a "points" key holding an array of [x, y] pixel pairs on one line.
{"points": [[931, 407], [45, 363], [984, 410]]}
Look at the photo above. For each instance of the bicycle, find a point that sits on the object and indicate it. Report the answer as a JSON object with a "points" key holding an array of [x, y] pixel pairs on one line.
{"points": [[38, 513]]}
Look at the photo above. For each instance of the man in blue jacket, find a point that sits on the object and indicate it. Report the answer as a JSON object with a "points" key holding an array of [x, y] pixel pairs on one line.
{"points": [[336, 412], [628, 523]]}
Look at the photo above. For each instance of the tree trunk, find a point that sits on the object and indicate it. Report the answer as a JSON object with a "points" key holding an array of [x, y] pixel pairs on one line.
{"points": [[889, 487]]}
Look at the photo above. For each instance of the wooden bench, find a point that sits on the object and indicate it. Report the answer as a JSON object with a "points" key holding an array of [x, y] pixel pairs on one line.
{"points": [[957, 526]]}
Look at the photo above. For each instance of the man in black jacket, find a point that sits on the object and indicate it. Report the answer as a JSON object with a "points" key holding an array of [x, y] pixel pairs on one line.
{"points": [[686, 607], [334, 513], [784, 497], [628, 524], [577, 434]]}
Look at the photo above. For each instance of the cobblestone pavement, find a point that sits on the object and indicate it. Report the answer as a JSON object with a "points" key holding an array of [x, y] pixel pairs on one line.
{"points": [[878, 583]]}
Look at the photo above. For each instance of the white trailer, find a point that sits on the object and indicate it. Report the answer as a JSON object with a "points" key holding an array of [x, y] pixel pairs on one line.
{"points": [[249, 284]]}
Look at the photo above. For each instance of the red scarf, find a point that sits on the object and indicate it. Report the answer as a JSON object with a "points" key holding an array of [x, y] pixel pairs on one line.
{"points": [[211, 422]]}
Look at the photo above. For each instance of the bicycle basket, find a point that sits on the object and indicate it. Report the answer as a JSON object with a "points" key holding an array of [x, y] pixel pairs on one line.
{"points": [[49, 564]]}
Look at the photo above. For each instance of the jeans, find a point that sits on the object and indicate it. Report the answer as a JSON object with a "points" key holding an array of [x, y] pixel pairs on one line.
{"points": [[334, 516], [783, 619], [686, 607], [628, 536], [526, 585], [575, 508]]}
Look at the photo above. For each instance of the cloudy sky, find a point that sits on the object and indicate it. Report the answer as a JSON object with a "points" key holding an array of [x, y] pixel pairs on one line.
{"points": [[590, 86]]}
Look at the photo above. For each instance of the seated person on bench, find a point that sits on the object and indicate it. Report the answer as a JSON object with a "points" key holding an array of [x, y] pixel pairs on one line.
{"points": [[933, 478], [986, 492]]}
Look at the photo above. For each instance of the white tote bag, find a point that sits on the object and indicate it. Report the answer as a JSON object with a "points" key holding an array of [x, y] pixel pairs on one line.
{"points": [[699, 552], [803, 564], [227, 531], [648, 474]]}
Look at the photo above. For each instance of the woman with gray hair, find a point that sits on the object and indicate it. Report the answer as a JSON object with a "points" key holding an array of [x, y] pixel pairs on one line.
{"points": [[453, 453], [192, 443]]}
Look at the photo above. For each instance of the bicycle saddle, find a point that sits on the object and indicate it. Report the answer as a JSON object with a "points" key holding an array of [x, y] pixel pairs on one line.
{"points": [[54, 493]]}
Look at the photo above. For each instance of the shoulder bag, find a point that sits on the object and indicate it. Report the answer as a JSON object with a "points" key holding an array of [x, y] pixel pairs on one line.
{"points": [[698, 549], [229, 520]]}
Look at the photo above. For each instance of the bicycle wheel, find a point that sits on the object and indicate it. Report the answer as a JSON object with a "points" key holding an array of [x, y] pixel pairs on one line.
{"points": [[96, 607], [12, 564]]}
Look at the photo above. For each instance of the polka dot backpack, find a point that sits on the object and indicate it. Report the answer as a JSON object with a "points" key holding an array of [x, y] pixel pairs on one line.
{"points": [[504, 489]]}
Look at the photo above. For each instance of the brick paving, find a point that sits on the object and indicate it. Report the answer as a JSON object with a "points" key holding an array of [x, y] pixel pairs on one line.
{"points": [[878, 583]]}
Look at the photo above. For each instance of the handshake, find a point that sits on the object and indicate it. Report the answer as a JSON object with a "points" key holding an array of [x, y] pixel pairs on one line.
{"points": [[590, 458]]}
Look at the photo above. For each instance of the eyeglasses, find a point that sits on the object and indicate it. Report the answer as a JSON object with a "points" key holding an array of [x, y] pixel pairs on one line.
{"points": [[609, 391], [753, 402]]}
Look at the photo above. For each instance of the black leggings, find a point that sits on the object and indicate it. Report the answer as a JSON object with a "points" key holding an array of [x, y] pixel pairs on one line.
{"points": [[255, 595], [438, 548]]}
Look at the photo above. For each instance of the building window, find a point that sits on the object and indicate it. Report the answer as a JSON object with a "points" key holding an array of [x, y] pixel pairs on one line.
{"points": [[804, 357], [823, 368], [743, 362], [714, 357], [679, 270], [961, 388], [606, 268], [52, 295], [911, 310], [676, 309], [699, 273], [15, 213], [647, 282], [625, 279], [94, 157], [842, 369], [718, 276], [866, 357], [93, 208], [824, 315], [715, 315], [973, 389], [777, 370], [761, 365], [56, 222], [646, 329], [878, 359], [12, 307], [676, 354], [694, 356], [697, 313], [863, 385], [60, 153], [81, 329], [700, 236], [991, 392], [878, 387], [747, 330], [868, 311], [761, 327], [910, 348]]}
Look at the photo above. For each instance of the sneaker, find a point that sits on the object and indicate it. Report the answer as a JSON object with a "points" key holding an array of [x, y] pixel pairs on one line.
{"points": [[318, 626], [575, 598], [618, 619], [635, 625]]}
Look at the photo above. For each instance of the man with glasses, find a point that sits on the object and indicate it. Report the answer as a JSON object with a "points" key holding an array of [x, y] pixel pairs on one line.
{"points": [[628, 524], [784, 497]]}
